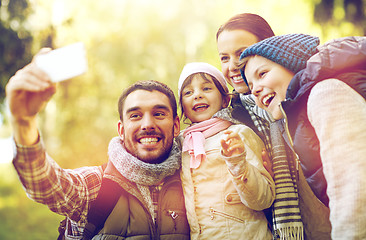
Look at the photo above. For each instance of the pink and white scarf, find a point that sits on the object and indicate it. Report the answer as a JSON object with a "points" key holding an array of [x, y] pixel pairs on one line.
{"points": [[195, 137]]}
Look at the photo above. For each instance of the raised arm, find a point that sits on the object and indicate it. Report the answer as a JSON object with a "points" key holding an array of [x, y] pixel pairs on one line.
{"points": [[27, 92], [241, 151]]}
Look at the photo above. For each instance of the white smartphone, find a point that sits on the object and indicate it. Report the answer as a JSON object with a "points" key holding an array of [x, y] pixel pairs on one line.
{"points": [[64, 63]]}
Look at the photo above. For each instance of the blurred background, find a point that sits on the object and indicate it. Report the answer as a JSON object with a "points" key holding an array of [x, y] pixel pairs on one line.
{"points": [[126, 41]]}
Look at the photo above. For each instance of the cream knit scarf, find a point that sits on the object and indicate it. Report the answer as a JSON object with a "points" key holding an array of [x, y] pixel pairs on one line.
{"points": [[139, 172]]}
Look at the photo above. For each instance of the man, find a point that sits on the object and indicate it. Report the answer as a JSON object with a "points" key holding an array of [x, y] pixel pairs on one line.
{"points": [[139, 193]]}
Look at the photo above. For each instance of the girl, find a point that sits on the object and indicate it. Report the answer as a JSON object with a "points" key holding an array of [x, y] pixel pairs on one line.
{"points": [[225, 184], [317, 93]]}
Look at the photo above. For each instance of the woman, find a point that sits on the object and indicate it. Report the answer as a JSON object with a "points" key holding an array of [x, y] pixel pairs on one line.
{"points": [[232, 38]]}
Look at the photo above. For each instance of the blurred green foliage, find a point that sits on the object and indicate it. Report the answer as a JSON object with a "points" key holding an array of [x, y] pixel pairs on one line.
{"points": [[126, 41], [348, 16], [15, 40], [21, 218]]}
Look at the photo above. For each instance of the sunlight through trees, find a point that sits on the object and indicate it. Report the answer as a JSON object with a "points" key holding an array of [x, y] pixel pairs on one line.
{"points": [[126, 41]]}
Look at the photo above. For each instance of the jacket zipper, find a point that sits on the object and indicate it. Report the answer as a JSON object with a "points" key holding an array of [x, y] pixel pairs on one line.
{"points": [[291, 141], [214, 212], [173, 214], [147, 212]]}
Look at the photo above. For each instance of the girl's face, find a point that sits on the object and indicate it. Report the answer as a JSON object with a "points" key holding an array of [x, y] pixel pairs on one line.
{"points": [[230, 44], [201, 99], [268, 82]]}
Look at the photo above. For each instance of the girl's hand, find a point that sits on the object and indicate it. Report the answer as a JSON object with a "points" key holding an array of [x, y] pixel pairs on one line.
{"points": [[267, 163], [232, 144]]}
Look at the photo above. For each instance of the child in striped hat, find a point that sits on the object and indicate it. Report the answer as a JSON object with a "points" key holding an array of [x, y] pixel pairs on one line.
{"points": [[317, 95]]}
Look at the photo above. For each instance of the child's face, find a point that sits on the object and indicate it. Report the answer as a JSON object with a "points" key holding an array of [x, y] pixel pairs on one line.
{"points": [[201, 99], [230, 45], [268, 82]]}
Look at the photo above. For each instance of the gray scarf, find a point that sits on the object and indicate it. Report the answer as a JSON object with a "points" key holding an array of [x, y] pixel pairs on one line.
{"points": [[141, 173], [138, 171], [260, 118]]}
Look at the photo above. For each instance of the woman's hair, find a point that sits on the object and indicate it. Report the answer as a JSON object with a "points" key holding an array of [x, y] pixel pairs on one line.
{"points": [[225, 95], [252, 23]]}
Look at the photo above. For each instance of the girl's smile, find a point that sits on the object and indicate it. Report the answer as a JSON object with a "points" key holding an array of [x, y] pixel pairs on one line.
{"points": [[201, 99]]}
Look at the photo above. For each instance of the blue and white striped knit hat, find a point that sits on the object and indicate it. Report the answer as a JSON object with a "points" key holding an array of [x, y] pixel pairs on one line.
{"points": [[291, 51]]}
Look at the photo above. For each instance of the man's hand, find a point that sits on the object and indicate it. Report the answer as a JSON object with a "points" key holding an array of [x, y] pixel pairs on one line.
{"points": [[27, 93], [232, 144]]}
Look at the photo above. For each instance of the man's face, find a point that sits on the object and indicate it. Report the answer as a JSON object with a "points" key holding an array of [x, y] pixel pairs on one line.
{"points": [[148, 126], [268, 82]]}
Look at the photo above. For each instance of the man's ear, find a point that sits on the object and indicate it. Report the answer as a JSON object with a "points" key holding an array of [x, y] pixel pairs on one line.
{"points": [[120, 129], [176, 126]]}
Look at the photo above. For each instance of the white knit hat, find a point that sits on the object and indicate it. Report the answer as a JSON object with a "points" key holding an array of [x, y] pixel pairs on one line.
{"points": [[201, 67]]}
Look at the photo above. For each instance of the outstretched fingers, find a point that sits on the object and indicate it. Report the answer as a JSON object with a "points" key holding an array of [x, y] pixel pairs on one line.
{"points": [[231, 144]]}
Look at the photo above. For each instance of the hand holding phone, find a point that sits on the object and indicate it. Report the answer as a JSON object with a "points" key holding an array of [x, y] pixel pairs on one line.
{"points": [[64, 63]]}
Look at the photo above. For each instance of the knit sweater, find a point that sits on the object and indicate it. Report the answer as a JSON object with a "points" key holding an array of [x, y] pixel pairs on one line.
{"points": [[326, 118]]}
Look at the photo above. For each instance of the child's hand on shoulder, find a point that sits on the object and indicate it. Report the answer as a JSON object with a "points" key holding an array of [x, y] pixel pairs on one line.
{"points": [[231, 144]]}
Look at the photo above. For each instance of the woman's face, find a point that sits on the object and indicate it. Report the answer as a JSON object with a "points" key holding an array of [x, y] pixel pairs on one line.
{"points": [[230, 44]]}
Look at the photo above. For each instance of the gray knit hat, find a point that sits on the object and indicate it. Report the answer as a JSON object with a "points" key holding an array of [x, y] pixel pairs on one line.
{"points": [[291, 51]]}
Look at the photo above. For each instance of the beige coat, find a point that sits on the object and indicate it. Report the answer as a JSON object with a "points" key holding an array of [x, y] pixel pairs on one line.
{"points": [[220, 206]]}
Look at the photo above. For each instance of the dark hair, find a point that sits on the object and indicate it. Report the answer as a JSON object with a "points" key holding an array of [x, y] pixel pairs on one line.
{"points": [[252, 23], [148, 85], [189, 79]]}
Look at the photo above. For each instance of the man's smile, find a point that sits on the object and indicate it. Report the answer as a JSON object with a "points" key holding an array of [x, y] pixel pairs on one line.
{"points": [[149, 140]]}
